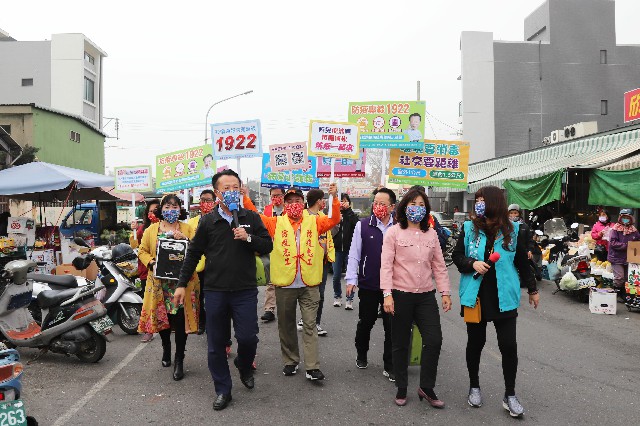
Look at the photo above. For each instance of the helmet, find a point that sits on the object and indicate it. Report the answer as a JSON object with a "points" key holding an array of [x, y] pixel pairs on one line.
{"points": [[125, 259], [122, 252]]}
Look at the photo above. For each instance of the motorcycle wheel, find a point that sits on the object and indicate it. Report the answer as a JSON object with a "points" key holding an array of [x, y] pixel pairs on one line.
{"points": [[93, 349], [130, 326]]}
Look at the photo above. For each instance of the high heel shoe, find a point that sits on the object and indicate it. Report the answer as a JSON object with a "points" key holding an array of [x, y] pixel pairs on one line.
{"points": [[434, 402], [401, 397], [178, 371]]}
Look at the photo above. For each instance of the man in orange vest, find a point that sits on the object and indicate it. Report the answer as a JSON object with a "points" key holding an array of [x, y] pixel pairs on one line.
{"points": [[272, 210], [296, 271]]}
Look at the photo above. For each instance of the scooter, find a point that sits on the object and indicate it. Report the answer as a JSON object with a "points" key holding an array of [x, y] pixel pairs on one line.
{"points": [[11, 407], [73, 321], [116, 267]]}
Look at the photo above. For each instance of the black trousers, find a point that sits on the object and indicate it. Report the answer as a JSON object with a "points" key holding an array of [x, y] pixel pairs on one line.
{"points": [[177, 324], [202, 318], [370, 300], [477, 336], [421, 308]]}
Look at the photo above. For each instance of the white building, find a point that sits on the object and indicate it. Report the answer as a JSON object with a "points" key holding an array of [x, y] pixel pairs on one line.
{"points": [[64, 73]]}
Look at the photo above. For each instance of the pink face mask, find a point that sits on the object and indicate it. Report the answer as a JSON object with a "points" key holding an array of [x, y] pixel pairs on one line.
{"points": [[294, 210]]}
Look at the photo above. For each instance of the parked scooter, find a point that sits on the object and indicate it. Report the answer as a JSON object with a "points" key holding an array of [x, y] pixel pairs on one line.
{"points": [[11, 407], [73, 321], [118, 268]]}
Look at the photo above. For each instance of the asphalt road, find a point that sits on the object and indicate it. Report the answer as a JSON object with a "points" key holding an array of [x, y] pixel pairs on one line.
{"points": [[575, 368]]}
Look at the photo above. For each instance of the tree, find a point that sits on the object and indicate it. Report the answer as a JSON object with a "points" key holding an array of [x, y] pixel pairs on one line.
{"points": [[28, 155]]}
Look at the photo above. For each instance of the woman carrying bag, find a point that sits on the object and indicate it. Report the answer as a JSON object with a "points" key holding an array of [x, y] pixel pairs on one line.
{"points": [[159, 312], [490, 292]]}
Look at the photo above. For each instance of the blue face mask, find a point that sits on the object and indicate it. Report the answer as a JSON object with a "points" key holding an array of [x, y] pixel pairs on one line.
{"points": [[415, 214], [480, 208], [625, 221], [171, 216], [231, 197]]}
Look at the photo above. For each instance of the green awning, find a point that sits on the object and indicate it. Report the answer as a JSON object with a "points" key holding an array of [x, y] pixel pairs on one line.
{"points": [[614, 188], [533, 193]]}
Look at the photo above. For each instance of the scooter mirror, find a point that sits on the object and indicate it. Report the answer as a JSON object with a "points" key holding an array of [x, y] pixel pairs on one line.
{"points": [[539, 232], [81, 242], [574, 225]]}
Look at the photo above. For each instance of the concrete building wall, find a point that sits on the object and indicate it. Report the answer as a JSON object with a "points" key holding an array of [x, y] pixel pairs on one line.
{"points": [[22, 60], [477, 94]]}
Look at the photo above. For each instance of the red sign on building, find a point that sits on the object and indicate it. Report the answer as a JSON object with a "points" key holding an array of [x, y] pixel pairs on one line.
{"points": [[632, 105]]}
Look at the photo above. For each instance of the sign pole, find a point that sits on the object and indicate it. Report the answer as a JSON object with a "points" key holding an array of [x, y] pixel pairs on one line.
{"points": [[333, 168], [186, 199], [383, 165], [238, 171], [133, 207], [291, 178]]}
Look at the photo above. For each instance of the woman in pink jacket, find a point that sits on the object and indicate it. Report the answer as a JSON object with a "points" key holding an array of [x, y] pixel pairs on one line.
{"points": [[411, 260], [601, 228]]}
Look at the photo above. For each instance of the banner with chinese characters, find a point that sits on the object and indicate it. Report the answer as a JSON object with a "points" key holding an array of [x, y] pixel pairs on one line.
{"points": [[303, 179], [439, 163], [187, 168], [133, 179], [632, 105], [238, 139], [333, 139], [288, 156], [344, 167], [389, 124]]}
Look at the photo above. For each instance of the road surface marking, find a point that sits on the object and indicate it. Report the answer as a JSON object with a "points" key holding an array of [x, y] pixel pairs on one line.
{"points": [[97, 387]]}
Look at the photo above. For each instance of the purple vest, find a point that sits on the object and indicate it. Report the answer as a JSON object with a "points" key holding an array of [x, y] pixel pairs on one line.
{"points": [[369, 268]]}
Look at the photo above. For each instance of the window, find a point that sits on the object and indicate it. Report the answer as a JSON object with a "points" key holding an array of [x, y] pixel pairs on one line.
{"points": [[88, 90], [89, 58], [603, 56], [74, 136], [27, 82], [6, 127], [604, 107]]}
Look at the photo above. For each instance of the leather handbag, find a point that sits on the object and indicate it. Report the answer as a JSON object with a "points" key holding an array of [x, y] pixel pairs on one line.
{"points": [[473, 315]]}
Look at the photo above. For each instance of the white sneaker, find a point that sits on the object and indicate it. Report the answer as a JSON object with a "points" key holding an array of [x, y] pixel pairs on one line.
{"points": [[337, 302], [321, 331], [299, 325], [348, 306]]}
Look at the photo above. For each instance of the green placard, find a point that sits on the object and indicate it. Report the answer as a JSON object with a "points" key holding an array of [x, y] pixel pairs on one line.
{"points": [[186, 168], [389, 124]]}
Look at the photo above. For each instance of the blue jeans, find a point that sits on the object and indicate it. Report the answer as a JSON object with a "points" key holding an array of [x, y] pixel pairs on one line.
{"points": [[241, 307], [341, 257]]}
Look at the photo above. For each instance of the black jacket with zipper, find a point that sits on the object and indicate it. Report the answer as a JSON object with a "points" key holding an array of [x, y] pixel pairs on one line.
{"points": [[344, 230], [230, 264]]}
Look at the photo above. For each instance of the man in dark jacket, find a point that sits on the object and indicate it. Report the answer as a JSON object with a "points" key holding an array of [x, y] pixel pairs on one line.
{"points": [[342, 235], [230, 281]]}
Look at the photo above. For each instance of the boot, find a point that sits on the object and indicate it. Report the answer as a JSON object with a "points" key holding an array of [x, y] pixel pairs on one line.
{"points": [[166, 355], [178, 371]]}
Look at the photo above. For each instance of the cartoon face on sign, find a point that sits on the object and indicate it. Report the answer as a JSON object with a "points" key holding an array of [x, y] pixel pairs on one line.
{"points": [[378, 124], [363, 123], [192, 167], [166, 172], [179, 169], [395, 122]]}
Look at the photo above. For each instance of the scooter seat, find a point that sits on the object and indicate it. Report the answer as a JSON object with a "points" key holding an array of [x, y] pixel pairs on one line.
{"points": [[49, 298], [68, 281]]}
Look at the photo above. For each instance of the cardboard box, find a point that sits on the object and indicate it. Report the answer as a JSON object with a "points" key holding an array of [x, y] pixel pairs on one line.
{"points": [[91, 273], [633, 252], [69, 270], [602, 301]]}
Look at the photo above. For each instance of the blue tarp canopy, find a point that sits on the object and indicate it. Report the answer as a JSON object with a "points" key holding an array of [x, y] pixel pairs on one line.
{"points": [[42, 182]]}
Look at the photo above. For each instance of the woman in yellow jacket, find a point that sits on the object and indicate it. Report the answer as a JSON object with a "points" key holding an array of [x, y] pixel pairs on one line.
{"points": [[159, 313]]}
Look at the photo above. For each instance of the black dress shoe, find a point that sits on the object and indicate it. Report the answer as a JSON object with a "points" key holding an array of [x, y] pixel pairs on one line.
{"points": [[268, 316], [201, 330], [246, 377], [178, 371], [221, 402]]}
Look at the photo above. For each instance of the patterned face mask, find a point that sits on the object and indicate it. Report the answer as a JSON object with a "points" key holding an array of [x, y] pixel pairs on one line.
{"points": [[416, 213], [380, 211], [171, 216], [206, 206], [153, 218], [294, 210], [480, 208], [231, 197], [277, 200]]}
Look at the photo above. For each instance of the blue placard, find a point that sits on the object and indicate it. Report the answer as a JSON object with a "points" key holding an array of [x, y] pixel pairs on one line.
{"points": [[304, 180]]}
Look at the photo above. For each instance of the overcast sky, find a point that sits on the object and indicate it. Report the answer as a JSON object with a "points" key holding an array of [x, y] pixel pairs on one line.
{"points": [[169, 61]]}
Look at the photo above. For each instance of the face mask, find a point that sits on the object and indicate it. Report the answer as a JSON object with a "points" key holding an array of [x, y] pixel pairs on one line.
{"points": [[602, 219], [294, 210], [171, 216], [231, 197], [480, 207], [514, 218], [625, 221], [277, 201], [206, 206], [380, 211], [153, 218], [416, 213]]}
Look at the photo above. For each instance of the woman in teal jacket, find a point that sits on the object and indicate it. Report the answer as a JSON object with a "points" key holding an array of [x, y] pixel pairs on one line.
{"points": [[497, 287]]}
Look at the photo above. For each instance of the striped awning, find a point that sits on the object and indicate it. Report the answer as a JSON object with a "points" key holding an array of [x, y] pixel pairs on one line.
{"points": [[610, 150]]}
